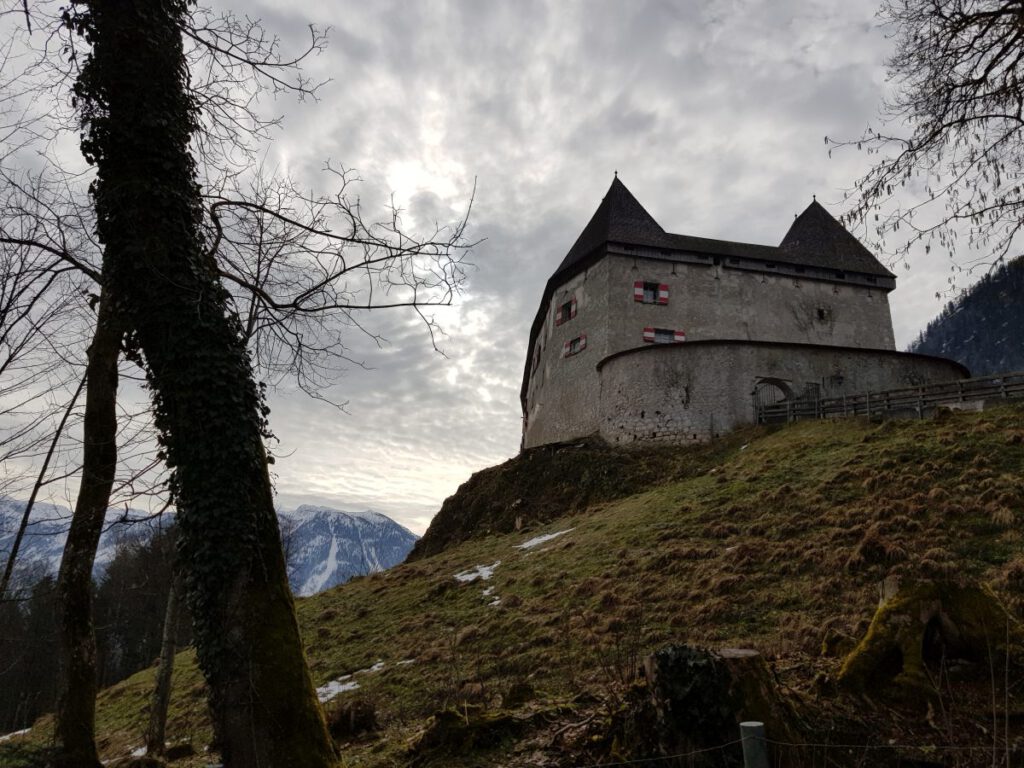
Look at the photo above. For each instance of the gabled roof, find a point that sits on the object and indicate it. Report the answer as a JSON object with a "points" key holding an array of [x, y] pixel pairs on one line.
{"points": [[618, 219], [818, 240]]}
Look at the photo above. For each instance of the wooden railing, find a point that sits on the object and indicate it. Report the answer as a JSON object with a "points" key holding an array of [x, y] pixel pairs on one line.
{"points": [[909, 399]]}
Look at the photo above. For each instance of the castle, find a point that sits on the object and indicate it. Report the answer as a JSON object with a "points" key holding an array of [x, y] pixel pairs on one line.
{"points": [[644, 335]]}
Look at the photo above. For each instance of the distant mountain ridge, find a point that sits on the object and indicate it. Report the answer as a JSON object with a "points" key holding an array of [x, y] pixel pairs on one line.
{"points": [[983, 328], [325, 547]]}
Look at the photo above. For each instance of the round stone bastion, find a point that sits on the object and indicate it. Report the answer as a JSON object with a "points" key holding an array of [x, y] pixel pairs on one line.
{"points": [[697, 390]]}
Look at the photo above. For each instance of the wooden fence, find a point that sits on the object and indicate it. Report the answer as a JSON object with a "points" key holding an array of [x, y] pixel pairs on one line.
{"points": [[916, 400]]}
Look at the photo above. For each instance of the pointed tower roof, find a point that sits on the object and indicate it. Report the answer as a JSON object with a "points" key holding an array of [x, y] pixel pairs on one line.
{"points": [[619, 218], [817, 239]]}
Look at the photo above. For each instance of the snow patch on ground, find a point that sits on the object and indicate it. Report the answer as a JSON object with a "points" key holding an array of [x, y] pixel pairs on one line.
{"points": [[9, 736], [345, 683], [482, 572], [375, 668], [404, 662], [327, 692], [538, 540], [139, 752]]}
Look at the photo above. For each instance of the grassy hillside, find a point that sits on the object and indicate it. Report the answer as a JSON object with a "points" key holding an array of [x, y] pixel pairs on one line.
{"points": [[774, 540]]}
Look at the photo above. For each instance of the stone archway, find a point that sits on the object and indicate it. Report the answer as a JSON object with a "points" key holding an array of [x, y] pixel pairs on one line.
{"points": [[769, 391]]}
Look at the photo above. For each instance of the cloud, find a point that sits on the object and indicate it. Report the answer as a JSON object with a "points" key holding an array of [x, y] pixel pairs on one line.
{"points": [[714, 113]]}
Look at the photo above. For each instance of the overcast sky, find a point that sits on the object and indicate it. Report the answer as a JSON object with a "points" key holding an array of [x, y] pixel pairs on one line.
{"points": [[713, 113]]}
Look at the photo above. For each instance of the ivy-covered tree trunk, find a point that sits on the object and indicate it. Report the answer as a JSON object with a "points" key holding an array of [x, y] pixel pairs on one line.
{"points": [[138, 121], [76, 706]]}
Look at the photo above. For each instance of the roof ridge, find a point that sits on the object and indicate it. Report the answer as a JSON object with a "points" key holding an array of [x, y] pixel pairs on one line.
{"points": [[619, 218], [817, 238]]}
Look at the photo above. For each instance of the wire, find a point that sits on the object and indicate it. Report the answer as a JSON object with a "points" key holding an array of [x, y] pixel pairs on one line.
{"points": [[951, 748], [788, 744], [647, 760]]}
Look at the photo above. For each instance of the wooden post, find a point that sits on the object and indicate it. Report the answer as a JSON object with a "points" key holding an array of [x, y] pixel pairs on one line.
{"points": [[755, 748]]}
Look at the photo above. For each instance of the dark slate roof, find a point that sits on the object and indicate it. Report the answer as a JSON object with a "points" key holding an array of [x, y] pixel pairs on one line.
{"points": [[619, 219], [818, 240]]}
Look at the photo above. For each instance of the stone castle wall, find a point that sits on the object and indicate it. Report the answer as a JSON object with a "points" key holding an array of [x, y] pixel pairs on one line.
{"points": [[712, 301], [695, 391], [706, 300]]}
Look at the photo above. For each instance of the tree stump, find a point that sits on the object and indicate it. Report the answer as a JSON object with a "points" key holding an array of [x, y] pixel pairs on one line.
{"points": [[924, 622], [699, 697]]}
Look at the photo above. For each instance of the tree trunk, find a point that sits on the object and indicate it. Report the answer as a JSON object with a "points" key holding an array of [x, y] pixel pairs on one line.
{"points": [[76, 708], [208, 410], [155, 734]]}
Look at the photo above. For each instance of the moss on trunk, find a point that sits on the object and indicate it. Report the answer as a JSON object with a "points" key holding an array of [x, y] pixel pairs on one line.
{"points": [[138, 123], [925, 621]]}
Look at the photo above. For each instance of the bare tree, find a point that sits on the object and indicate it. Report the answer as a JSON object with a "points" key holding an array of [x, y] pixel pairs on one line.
{"points": [[300, 269], [950, 150]]}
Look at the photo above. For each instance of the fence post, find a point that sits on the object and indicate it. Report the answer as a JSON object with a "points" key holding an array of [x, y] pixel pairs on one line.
{"points": [[867, 403], [755, 749]]}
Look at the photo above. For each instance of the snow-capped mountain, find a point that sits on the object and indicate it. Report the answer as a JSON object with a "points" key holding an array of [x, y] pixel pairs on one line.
{"points": [[41, 548], [324, 547]]}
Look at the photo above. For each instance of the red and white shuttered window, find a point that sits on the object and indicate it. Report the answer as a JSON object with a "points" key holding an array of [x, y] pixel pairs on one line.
{"points": [[663, 335], [574, 346], [650, 293], [566, 311]]}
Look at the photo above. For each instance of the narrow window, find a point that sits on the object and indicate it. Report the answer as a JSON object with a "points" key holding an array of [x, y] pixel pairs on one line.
{"points": [[566, 311], [574, 346], [824, 314], [650, 293], [663, 335]]}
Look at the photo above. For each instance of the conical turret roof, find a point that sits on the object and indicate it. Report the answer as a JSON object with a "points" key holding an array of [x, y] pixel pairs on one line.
{"points": [[619, 219], [816, 238]]}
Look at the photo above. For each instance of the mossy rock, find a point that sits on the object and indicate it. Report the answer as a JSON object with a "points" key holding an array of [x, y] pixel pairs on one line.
{"points": [[921, 623], [463, 731], [352, 719]]}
